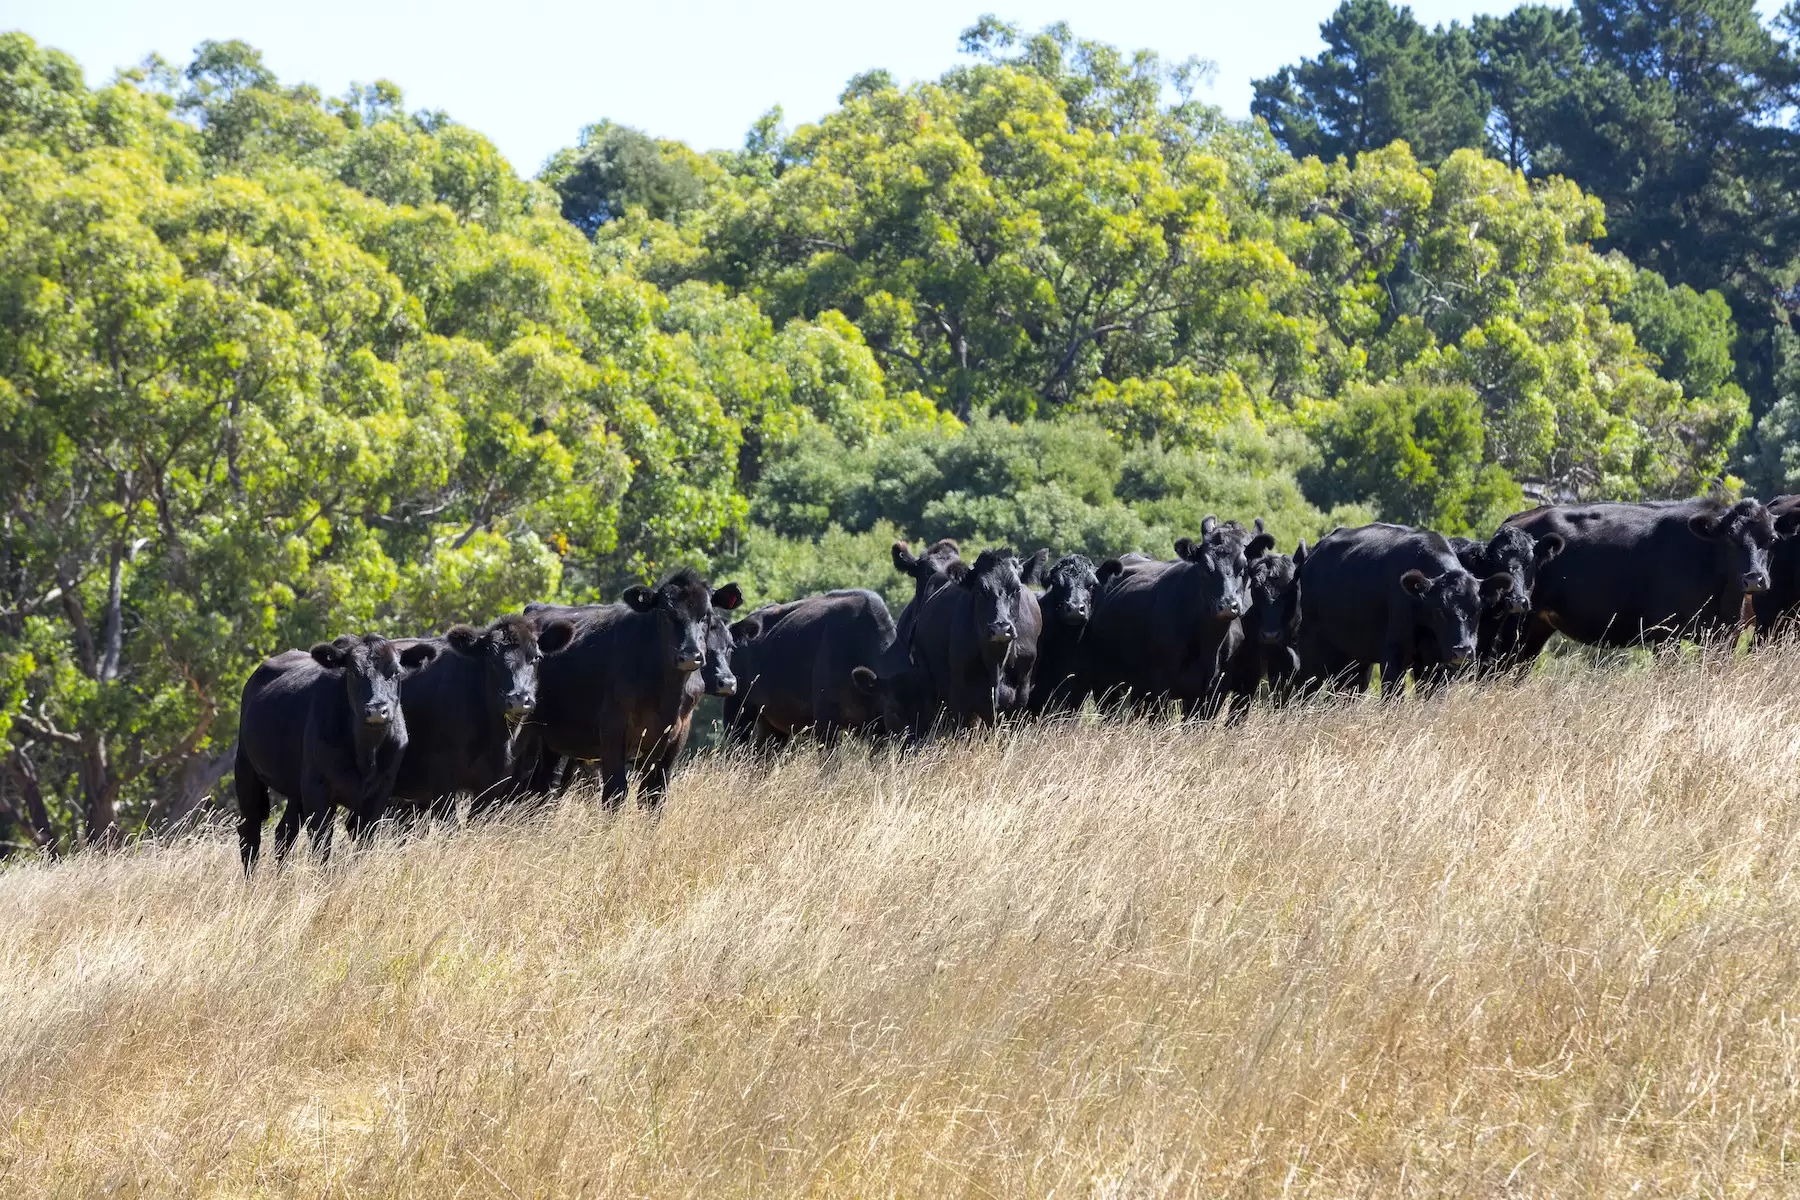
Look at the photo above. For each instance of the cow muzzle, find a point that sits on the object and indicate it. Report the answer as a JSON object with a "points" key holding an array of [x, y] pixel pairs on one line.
{"points": [[1270, 637], [1756, 581], [378, 714], [1076, 615], [725, 687], [520, 704], [688, 662], [1225, 609], [1462, 656], [1002, 633]]}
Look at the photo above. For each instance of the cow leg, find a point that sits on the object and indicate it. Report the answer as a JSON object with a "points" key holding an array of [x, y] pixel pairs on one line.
{"points": [[1532, 638], [319, 810], [288, 828], [253, 809]]}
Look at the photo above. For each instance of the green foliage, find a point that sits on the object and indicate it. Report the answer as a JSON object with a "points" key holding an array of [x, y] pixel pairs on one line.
{"points": [[1414, 452], [617, 168], [1383, 77]]}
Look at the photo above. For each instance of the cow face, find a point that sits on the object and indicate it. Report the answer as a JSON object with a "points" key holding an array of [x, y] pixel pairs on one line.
{"points": [[1223, 555], [1516, 553], [717, 674], [1274, 590], [509, 651], [995, 584], [372, 672], [1449, 606], [683, 604], [1741, 536], [903, 699], [1069, 601]]}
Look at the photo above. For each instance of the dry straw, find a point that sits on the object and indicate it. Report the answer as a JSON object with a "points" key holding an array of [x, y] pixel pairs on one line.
{"points": [[1536, 938]]}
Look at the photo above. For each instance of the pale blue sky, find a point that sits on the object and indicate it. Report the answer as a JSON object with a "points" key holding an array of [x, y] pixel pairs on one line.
{"points": [[530, 74]]}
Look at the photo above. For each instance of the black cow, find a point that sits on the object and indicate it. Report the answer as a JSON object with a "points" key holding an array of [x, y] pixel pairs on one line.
{"points": [[1169, 630], [325, 729], [1271, 646], [896, 685], [1776, 605], [621, 694], [1388, 596], [1631, 573], [1067, 604], [976, 637], [796, 663], [1511, 551], [463, 705]]}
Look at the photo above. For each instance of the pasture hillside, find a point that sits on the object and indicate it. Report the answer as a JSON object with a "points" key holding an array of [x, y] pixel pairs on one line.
{"points": [[1536, 938]]}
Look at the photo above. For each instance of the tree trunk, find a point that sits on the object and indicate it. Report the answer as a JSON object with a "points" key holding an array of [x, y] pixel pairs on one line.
{"points": [[195, 782]]}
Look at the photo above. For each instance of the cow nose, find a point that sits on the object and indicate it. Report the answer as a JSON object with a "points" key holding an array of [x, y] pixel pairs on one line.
{"points": [[377, 714], [1271, 637], [1462, 656], [519, 704], [687, 662], [726, 687], [1756, 581], [1227, 608], [1002, 631], [1518, 607]]}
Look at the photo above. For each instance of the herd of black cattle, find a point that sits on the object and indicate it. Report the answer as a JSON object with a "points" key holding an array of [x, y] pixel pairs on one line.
{"points": [[406, 726]]}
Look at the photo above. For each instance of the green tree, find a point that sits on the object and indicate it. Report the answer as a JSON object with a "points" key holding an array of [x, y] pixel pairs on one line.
{"points": [[1382, 77], [616, 168], [1415, 452]]}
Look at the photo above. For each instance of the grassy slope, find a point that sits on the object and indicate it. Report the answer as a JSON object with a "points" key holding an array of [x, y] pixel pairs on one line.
{"points": [[1541, 937]]}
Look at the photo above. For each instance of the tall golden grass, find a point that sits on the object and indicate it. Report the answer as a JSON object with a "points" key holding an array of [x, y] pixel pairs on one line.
{"points": [[1538, 938]]}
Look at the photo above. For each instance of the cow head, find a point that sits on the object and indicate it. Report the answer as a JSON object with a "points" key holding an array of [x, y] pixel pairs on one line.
{"points": [[998, 591], [509, 651], [1449, 606], [1223, 555], [372, 670], [903, 699], [1069, 600], [921, 567], [1741, 536], [717, 674], [1513, 552], [1274, 590], [684, 605]]}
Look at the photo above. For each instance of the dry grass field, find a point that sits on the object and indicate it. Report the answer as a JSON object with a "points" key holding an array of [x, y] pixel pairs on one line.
{"points": [[1538, 939]]}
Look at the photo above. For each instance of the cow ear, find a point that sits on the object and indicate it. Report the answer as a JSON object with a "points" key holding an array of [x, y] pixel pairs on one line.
{"points": [[960, 572], [555, 636], [1300, 555], [747, 628], [328, 654], [1705, 526], [1184, 547], [417, 655], [641, 598], [1033, 574], [1416, 582], [1107, 570], [1495, 586], [1547, 548], [1208, 523], [1259, 545], [1258, 524], [904, 562], [728, 597], [1787, 524], [463, 639], [866, 681]]}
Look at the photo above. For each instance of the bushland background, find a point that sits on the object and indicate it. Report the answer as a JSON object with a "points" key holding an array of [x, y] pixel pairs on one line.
{"points": [[276, 365]]}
